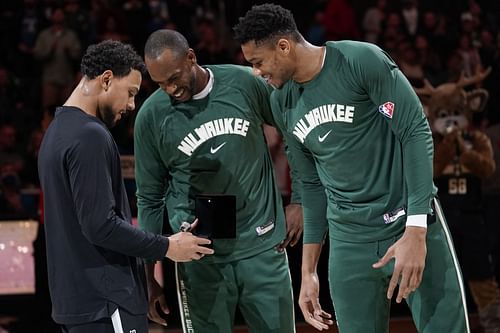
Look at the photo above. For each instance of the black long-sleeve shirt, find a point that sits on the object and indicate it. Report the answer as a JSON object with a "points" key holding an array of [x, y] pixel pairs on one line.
{"points": [[91, 243]]}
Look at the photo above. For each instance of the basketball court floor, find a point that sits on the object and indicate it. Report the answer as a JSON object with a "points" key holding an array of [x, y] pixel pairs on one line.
{"points": [[397, 325]]}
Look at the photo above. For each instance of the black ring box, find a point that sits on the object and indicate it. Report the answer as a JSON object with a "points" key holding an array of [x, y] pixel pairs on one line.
{"points": [[216, 215]]}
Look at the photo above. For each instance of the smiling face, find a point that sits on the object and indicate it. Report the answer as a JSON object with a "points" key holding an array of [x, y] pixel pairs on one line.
{"points": [[270, 61], [119, 96], [174, 73]]}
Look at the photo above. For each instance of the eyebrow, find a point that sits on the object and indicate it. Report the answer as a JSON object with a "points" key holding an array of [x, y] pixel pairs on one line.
{"points": [[169, 77], [251, 60]]}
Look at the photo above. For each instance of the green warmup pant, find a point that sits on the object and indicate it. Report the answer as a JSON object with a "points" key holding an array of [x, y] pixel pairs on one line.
{"points": [[260, 286], [359, 292]]}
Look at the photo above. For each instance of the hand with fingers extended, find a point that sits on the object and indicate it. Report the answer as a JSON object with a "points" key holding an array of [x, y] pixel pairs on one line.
{"points": [[409, 253], [184, 246], [309, 303], [294, 225], [158, 308]]}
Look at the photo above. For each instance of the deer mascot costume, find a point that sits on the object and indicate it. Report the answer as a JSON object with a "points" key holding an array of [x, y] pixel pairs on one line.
{"points": [[463, 158]]}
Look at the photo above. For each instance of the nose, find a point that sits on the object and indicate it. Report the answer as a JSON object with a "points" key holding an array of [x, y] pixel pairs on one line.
{"points": [[256, 71], [131, 105]]}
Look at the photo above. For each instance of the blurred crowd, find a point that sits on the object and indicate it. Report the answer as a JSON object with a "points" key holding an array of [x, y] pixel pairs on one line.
{"points": [[42, 42]]}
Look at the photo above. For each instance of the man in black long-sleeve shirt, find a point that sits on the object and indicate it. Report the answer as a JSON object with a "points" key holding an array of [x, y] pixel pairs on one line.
{"points": [[96, 283]]}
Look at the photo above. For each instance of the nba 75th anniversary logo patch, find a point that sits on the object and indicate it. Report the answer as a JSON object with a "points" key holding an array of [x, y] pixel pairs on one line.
{"points": [[387, 109]]}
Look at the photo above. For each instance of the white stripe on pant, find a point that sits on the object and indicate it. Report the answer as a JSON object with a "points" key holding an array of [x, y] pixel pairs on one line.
{"points": [[442, 220]]}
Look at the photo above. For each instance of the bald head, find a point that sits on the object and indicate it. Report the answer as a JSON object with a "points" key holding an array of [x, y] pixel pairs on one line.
{"points": [[164, 39]]}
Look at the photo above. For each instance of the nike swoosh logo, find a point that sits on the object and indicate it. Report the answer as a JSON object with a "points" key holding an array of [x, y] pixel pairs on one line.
{"points": [[216, 149], [322, 138]]}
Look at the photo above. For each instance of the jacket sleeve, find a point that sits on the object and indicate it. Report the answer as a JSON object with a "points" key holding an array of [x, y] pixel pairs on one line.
{"points": [[389, 89], [262, 92], [151, 175], [89, 166], [307, 182]]}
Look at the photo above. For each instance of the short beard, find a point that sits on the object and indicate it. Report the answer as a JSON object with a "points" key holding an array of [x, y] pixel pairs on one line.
{"points": [[107, 116]]}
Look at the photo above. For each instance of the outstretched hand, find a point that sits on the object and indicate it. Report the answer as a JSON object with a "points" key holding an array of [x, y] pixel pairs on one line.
{"points": [[309, 303], [409, 253]]}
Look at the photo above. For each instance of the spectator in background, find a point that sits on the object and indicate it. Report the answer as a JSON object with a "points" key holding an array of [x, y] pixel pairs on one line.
{"points": [[393, 33], [340, 21], [372, 21], [78, 20], [410, 15], [57, 48], [490, 57], [10, 95], [99, 10], [469, 54], [488, 50], [9, 150], [410, 64], [29, 174], [24, 68], [135, 13], [211, 48], [453, 68], [112, 30], [435, 28], [316, 31], [474, 15], [11, 203], [48, 7], [428, 57], [469, 25], [430, 22], [184, 23], [30, 23], [158, 16], [8, 30]]}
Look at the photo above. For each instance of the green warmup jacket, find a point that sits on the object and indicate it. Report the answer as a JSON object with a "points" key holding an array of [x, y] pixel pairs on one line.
{"points": [[212, 145], [360, 143]]}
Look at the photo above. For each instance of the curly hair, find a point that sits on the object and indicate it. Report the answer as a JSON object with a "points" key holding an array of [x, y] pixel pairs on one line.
{"points": [[266, 23], [163, 39], [111, 55]]}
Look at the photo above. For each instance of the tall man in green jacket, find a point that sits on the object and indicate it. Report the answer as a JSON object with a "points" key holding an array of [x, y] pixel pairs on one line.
{"points": [[201, 133], [362, 148]]}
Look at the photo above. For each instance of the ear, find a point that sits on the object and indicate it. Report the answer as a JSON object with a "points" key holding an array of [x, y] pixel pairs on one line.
{"points": [[284, 46], [476, 100], [191, 55], [105, 79]]}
